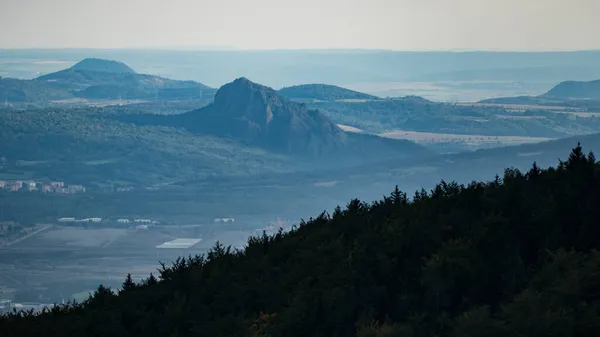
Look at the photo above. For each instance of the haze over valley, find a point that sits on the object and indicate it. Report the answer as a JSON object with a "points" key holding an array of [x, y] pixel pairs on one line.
{"points": [[439, 76], [358, 183], [183, 154]]}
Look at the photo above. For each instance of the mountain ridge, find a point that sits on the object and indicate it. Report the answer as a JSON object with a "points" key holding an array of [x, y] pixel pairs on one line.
{"points": [[320, 91], [575, 90], [107, 79], [98, 79], [259, 116]]}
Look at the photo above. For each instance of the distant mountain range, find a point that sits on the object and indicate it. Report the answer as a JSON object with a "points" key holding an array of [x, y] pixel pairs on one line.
{"points": [[283, 68], [98, 79], [249, 129]]}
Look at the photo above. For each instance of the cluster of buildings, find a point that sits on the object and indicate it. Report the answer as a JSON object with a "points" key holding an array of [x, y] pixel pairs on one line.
{"points": [[140, 223], [50, 187], [224, 220], [143, 221], [80, 220], [7, 306], [125, 189]]}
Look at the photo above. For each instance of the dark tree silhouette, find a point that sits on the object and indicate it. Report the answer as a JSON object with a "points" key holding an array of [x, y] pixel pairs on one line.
{"points": [[517, 256]]}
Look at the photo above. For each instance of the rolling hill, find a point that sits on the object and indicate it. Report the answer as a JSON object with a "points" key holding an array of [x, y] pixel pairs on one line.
{"points": [[100, 65], [105, 79], [87, 146], [579, 94], [96, 79], [575, 90], [417, 114], [323, 92], [16, 90]]}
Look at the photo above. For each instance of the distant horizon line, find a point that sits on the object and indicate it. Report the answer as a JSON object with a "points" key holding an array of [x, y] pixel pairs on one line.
{"points": [[234, 49]]}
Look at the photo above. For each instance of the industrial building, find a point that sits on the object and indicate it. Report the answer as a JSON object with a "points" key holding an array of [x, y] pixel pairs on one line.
{"points": [[179, 243]]}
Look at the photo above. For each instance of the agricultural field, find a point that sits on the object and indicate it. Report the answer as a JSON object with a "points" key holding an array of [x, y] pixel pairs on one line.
{"points": [[349, 128], [584, 114], [429, 137], [451, 91], [516, 108], [461, 141], [519, 107]]}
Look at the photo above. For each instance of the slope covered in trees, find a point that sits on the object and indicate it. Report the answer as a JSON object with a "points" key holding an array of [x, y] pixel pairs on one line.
{"points": [[516, 256], [16, 90], [88, 146]]}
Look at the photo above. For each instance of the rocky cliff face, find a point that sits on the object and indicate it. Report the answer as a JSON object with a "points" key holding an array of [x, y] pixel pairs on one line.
{"points": [[258, 115]]}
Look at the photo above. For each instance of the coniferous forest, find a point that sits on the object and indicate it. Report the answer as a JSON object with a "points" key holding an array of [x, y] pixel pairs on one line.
{"points": [[515, 256]]}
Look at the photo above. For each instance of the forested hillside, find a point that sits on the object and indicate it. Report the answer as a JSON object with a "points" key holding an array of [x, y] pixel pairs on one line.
{"points": [[516, 256], [15, 90], [87, 146]]}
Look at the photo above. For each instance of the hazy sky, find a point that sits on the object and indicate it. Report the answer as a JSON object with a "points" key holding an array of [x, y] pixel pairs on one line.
{"points": [[273, 24]]}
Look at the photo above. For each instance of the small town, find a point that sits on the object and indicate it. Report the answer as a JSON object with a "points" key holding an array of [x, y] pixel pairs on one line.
{"points": [[58, 187], [141, 223]]}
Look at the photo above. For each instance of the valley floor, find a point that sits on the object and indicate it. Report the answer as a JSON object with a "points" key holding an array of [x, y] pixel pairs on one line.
{"points": [[64, 262]]}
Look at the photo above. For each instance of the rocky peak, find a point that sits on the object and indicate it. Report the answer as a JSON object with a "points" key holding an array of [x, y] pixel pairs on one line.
{"points": [[258, 115], [256, 103]]}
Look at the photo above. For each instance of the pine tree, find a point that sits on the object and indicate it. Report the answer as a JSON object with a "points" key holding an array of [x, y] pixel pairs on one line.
{"points": [[337, 212], [511, 257], [151, 280], [399, 197], [591, 158], [534, 172], [576, 158], [128, 284]]}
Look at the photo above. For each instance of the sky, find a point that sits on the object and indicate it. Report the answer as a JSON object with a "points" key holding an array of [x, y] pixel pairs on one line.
{"points": [[521, 25]]}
